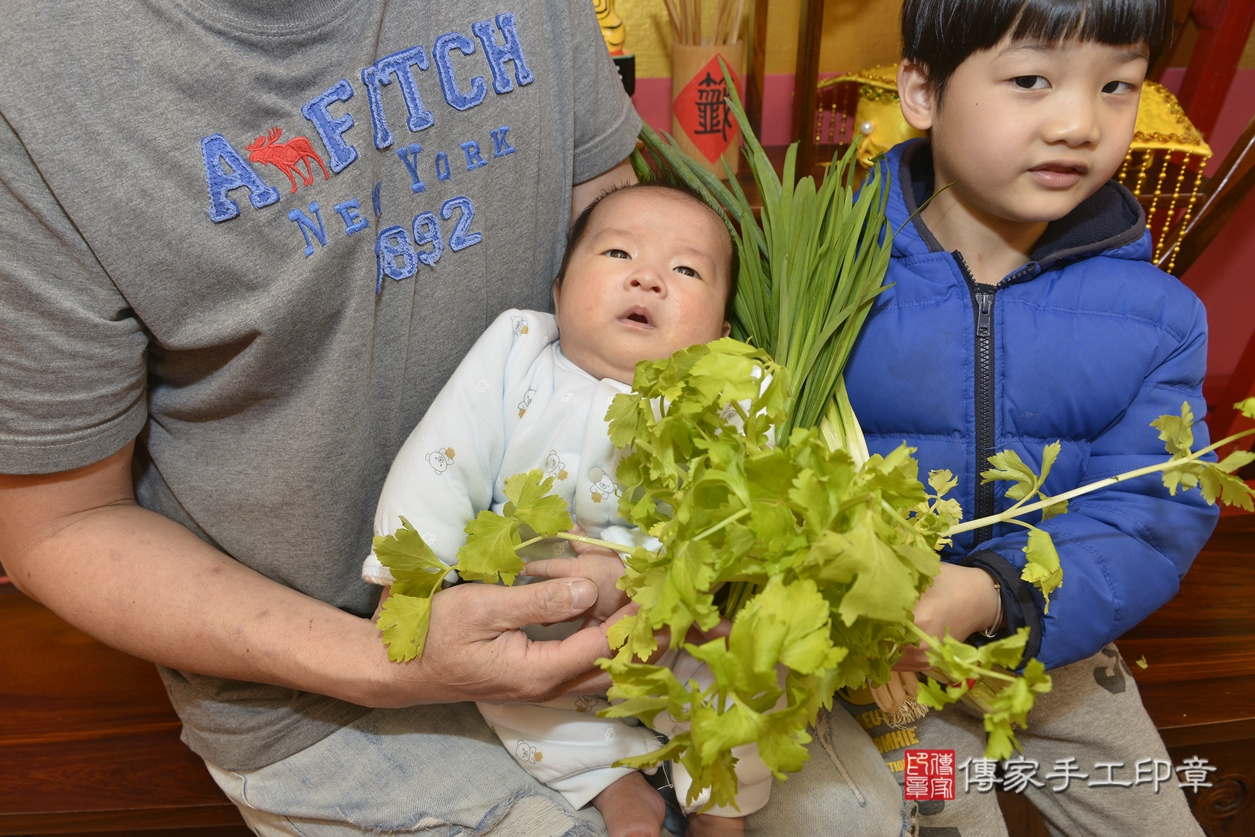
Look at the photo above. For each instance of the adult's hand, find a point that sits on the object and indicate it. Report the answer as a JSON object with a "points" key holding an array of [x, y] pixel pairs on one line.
{"points": [[475, 650], [78, 542]]}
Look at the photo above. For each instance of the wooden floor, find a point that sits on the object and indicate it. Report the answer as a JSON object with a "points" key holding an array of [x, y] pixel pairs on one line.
{"points": [[88, 741]]}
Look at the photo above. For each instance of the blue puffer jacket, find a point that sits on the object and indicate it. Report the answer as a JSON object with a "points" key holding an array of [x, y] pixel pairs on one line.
{"points": [[1086, 344]]}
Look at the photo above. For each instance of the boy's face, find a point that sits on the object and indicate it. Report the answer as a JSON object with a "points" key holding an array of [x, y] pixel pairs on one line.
{"points": [[649, 277], [1029, 130]]}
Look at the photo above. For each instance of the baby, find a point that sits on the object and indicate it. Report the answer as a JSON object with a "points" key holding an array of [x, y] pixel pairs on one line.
{"points": [[649, 270]]}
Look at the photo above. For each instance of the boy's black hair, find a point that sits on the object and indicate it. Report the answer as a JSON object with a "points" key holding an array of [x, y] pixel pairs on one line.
{"points": [[580, 228], [939, 35]]}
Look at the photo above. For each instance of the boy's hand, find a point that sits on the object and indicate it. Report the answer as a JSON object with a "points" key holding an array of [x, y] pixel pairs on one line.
{"points": [[961, 599], [600, 566]]}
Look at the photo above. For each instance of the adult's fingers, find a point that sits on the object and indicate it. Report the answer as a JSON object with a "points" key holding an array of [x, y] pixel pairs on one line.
{"points": [[553, 568], [476, 650], [542, 603]]}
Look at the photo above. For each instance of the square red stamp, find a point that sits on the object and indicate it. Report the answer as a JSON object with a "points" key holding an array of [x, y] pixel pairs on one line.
{"points": [[929, 774]]}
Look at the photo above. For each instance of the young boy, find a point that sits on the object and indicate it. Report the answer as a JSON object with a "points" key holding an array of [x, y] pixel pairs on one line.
{"points": [[1023, 311], [649, 270]]}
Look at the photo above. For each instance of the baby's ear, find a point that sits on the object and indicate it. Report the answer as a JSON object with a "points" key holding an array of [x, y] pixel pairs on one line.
{"points": [[727, 329], [916, 95], [557, 288]]}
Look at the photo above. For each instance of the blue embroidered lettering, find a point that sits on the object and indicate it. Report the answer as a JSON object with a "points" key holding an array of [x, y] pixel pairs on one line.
{"points": [[473, 158], [225, 170], [445, 45], [500, 145], [377, 76], [375, 198], [394, 255], [308, 226], [459, 239], [427, 231], [330, 129], [442, 166], [409, 156], [512, 50], [352, 221]]}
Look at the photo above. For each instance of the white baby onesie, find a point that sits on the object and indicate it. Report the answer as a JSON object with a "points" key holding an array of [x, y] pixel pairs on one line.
{"points": [[515, 404]]}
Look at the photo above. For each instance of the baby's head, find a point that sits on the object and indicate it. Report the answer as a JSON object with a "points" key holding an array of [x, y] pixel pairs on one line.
{"points": [[649, 269], [1030, 104]]}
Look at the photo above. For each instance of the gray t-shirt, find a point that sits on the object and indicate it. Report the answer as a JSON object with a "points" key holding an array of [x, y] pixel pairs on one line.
{"points": [[260, 236]]}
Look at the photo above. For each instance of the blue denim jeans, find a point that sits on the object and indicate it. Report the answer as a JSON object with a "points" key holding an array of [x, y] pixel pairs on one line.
{"points": [[439, 771]]}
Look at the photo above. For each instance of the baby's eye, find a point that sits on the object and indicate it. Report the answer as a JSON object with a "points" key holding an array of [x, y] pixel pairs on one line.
{"points": [[1030, 82], [617, 254], [687, 271], [1118, 87]]}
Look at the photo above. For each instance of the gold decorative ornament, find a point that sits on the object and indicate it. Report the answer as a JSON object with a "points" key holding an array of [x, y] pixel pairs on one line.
{"points": [[612, 28], [877, 113], [1166, 148]]}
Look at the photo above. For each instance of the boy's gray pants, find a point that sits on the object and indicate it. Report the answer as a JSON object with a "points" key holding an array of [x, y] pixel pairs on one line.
{"points": [[1093, 717]]}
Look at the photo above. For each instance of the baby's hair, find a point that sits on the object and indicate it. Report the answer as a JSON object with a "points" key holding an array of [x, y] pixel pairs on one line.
{"points": [[580, 228], [939, 35]]}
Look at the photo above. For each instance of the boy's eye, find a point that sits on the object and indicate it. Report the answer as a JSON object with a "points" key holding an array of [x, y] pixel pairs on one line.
{"points": [[687, 271], [1117, 87], [1030, 82], [617, 254]]}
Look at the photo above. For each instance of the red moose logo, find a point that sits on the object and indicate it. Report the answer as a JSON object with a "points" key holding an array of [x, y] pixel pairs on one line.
{"points": [[286, 156]]}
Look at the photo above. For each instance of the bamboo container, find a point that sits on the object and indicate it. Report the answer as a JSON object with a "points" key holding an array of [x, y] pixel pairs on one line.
{"points": [[701, 122]]}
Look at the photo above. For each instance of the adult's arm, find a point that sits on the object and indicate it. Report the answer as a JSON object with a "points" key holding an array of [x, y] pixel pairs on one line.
{"points": [[78, 542], [582, 194]]}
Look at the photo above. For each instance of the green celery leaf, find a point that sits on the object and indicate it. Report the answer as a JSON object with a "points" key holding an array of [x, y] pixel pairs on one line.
{"points": [[533, 505], [1217, 484], [1006, 652], [489, 549], [942, 482], [883, 588], [1176, 432], [1042, 569], [785, 623], [404, 621], [1008, 465], [1234, 461], [933, 694], [407, 556]]}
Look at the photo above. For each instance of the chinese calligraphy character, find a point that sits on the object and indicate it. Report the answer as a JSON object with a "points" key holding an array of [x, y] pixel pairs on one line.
{"points": [[1195, 771], [1065, 769], [979, 772], [1019, 772], [712, 109], [1109, 781], [1143, 774]]}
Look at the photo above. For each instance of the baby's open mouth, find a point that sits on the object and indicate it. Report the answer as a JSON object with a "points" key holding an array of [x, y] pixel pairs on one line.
{"points": [[637, 314]]}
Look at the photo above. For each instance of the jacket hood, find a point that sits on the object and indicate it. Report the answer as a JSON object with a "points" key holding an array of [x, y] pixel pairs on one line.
{"points": [[1110, 222]]}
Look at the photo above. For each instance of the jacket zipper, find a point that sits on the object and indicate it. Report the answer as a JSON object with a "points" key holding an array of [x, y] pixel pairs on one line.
{"points": [[983, 310]]}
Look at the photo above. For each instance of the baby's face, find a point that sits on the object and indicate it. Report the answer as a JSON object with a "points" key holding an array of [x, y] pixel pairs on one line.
{"points": [[649, 277]]}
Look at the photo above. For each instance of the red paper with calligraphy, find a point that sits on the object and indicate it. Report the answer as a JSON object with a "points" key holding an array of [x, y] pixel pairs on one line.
{"points": [[704, 115]]}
